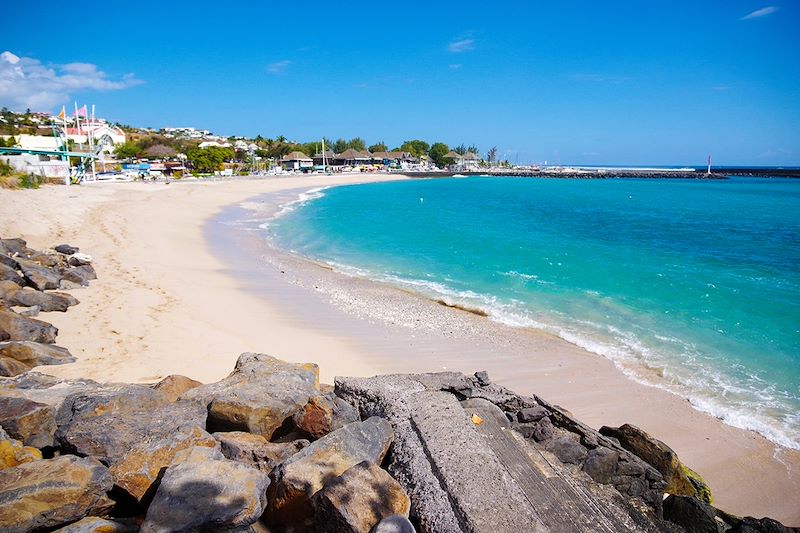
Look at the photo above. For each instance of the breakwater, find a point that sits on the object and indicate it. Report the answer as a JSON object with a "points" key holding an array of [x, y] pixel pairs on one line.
{"points": [[577, 174]]}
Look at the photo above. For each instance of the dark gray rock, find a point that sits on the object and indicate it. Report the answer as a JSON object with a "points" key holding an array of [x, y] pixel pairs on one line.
{"points": [[8, 261], [79, 259], [86, 271], [206, 492], [483, 378], [66, 249], [20, 328], [47, 301], [532, 414], [75, 276], [37, 276], [691, 514], [32, 423], [601, 464], [748, 524], [14, 246], [567, 449], [255, 450]]}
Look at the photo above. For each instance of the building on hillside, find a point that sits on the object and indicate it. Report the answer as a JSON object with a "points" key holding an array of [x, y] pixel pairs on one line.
{"points": [[207, 144], [98, 130], [296, 161]]}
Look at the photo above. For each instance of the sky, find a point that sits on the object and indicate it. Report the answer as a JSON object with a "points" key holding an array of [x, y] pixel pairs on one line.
{"points": [[573, 82]]}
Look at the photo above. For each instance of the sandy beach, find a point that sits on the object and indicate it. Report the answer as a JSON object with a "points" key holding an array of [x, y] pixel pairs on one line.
{"points": [[183, 290]]}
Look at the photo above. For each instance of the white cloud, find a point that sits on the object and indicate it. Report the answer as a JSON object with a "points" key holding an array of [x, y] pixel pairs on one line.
{"points": [[279, 67], [758, 13], [27, 83], [461, 45]]}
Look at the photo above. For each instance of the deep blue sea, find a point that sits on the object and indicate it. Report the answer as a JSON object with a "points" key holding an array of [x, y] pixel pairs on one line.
{"points": [[693, 286]]}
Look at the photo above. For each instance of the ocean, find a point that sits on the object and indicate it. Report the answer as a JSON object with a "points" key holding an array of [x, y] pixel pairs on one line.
{"points": [[688, 285]]}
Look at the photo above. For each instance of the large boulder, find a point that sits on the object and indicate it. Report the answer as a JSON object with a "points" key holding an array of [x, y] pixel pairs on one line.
{"points": [[662, 458], [255, 450], [175, 385], [35, 353], [207, 492], [14, 246], [38, 276], [50, 390], [94, 524], [13, 452], [21, 328], [8, 273], [358, 499], [47, 301], [148, 432], [324, 413], [259, 396], [691, 514], [298, 478], [32, 423], [11, 367], [50, 493]]}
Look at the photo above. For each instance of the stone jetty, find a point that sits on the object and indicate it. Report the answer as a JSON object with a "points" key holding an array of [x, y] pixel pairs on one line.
{"points": [[271, 449]]}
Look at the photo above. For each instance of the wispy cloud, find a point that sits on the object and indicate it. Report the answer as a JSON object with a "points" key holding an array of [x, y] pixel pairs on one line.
{"points": [[758, 13], [454, 66], [461, 45], [279, 67], [599, 78], [26, 82]]}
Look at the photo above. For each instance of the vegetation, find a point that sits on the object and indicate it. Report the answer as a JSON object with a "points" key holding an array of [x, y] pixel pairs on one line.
{"points": [[209, 159], [437, 153], [11, 179]]}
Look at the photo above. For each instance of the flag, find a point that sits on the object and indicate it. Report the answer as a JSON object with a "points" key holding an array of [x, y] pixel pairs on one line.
{"points": [[82, 111], [63, 113]]}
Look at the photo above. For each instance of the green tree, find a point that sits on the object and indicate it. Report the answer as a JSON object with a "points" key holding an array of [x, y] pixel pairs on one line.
{"points": [[209, 159], [339, 146], [378, 147], [311, 149], [415, 147], [437, 153], [128, 150], [474, 149], [491, 155], [357, 143]]}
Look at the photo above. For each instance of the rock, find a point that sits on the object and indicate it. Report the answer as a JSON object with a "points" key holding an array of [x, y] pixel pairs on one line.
{"points": [[8, 273], [37, 276], [14, 246], [30, 422], [8, 261], [79, 259], [4, 336], [625, 468], [207, 494], [175, 385], [68, 285], [259, 396], [487, 408], [35, 354], [748, 524], [44, 259], [29, 311], [148, 432], [11, 367], [358, 499], [567, 449], [323, 414], [49, 390], [13, 452], [483, 378], [86, 271], [543, 430], [298, 478], [394, 524], [691, 514], [53, 492], [255, 450], [657, 454], [601, 464], [22, 328], [94, 524], [47, 301], [66, 249], [532, 414]]}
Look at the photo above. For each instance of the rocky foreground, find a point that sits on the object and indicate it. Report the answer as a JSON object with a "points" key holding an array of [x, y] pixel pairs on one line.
{"points": [[269, 448]]}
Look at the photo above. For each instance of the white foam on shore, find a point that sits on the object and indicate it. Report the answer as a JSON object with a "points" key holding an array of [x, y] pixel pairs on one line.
{"points": [[682, 372]]}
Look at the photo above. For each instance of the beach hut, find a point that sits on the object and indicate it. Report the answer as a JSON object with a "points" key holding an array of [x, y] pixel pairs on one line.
{"points": [[296, 161]]}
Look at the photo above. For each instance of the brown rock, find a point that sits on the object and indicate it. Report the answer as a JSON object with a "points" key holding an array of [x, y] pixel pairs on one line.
{"points": [[14, 246], [255, 450], [358, 499], [261, 394], [47, 301], [11, 367], [30, 422], [298, 478], [324, 413], [207, 492], [22, 328], [47, 494], [35, 353], [175, 385], [10, 274], [94, 524]]}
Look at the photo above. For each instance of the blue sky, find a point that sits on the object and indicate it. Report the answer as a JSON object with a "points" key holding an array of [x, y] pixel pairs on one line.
{"points": [[570, 82]]}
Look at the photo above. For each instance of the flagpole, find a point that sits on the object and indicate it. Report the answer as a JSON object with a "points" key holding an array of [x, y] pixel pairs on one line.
{"points": [[92, 128]]}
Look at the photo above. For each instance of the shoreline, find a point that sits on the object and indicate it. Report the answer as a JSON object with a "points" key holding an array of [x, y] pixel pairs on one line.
{"points": [[149, 249]]}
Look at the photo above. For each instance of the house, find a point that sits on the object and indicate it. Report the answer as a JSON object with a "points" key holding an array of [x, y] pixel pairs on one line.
{"points": [[206, 144], [353, 158], [327, 160], [97, 130], [467, 161], [296, 161], [394, 159]]}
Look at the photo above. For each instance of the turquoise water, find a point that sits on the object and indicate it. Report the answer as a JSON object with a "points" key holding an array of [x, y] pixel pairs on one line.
{"points": [[689, 285]]}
